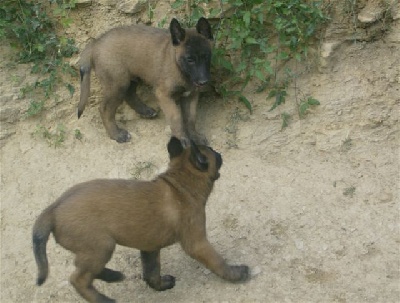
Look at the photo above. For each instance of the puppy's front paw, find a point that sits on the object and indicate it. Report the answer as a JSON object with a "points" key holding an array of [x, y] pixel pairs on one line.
{"points": [[167, 282], [238, 273], [161, 283], [123, 136]]}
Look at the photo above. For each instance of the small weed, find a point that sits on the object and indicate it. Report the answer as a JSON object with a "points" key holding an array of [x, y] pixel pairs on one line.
{"points": [[143, 168], [150, 11], [346, 145], [253, 41], [30, 30], [280, 97], [78, 135], [35, 107], [162, 22], [285, 120], [349, 191], [305, 105], [54, 138], [230, 222], [16, 79]]}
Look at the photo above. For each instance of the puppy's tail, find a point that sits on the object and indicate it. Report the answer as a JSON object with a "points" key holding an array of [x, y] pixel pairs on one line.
{"points": [[41, 231], [85, 69]]}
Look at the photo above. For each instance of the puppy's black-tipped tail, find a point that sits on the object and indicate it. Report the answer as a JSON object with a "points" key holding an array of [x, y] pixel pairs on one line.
{"points": [[85, 89], [40, 235], [85, 69]]}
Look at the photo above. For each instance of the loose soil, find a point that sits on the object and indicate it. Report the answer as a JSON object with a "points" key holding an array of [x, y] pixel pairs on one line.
{"points": [[313, 209]]}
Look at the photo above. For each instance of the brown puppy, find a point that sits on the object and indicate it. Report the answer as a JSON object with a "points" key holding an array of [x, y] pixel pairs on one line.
{"points": [[90, 218], [175, 62]]}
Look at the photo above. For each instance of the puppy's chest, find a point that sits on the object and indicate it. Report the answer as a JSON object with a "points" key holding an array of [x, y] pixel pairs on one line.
{"points": [[184, 91], [171, 211]]}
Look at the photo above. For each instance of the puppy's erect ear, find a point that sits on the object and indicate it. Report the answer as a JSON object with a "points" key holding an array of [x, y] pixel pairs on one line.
{"points": [[174, 147], [197, 158], [177, 32], [204, 28]]}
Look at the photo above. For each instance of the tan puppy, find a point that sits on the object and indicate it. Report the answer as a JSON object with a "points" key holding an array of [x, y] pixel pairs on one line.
{"points": [[90, 218], [175, 62]]}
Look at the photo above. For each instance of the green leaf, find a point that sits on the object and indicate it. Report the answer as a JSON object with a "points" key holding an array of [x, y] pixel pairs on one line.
{"points": [[271, 94], [246, 102], [280, 98], [226, 64], [268, 68], [312, 101], [259, 75], [40, 48], [285, 120], [71, 89], [246, 18], [241, 67], [213, 12], [297, 56], [283, 56], [251, 40], [197, 12], [177, 4], [303, 109], [260, 18]]}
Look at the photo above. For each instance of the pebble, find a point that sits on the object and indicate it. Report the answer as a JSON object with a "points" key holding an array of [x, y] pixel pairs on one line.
{"points": [[386, 197], [256, 271], [299, 244]]}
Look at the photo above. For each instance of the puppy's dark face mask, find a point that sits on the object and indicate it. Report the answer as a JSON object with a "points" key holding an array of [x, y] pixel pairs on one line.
{"points": [[203, 158]]}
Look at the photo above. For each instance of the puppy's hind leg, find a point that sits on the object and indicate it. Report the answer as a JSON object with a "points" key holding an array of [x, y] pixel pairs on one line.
{"points": [[151, 271], [138, 106], [113, 97], [88, 266]]}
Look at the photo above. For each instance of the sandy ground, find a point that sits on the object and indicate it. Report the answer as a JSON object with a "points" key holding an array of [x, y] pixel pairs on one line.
{"points": [[313, 209]]}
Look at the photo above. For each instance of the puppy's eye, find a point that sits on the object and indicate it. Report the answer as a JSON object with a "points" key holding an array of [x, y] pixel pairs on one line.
{"points": [[190, 60]]}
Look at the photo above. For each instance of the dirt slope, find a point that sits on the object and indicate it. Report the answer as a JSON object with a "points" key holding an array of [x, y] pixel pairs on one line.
{"points": [[312, 209]]}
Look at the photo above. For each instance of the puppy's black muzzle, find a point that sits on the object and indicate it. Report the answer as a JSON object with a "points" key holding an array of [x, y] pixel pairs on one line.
{"points": [[218, 163]]}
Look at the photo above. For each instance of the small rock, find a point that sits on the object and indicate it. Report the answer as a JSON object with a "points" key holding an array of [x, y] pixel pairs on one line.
{"points": [[134, 6], [82, 3], [63, 284], [299, 244], [328, 48], [106, 2], [372, 12], [10, 115], [256, 271], [386, 197]]}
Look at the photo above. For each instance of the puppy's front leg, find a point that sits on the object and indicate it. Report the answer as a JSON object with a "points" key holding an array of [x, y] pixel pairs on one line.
{"points": [[151, 271], [202, 251], [189, 113], [173, 115]]}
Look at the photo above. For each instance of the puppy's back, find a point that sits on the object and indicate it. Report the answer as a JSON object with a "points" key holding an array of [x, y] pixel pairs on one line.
{"points": [[141, 50], [130, 212]]}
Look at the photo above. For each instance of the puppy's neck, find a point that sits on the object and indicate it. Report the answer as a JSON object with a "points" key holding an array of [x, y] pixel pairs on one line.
{"points": [[193, 187]]}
